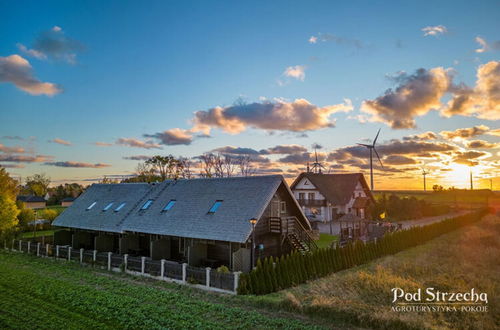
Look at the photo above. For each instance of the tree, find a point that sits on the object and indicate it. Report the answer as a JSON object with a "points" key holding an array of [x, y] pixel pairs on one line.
{"points": [[106, 180], [25, 216], [8, 186], [8, 214], [37, 184]]}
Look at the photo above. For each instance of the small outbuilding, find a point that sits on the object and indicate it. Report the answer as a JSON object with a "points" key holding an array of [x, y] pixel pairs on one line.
{"points": [[32, 202]]}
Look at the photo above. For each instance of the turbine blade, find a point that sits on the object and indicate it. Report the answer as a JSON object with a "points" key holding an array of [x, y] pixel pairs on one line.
{"points": [[364, 145], [376, 153], [376, 137]]}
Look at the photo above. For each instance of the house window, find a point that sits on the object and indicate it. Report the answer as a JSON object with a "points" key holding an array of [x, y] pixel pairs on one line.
{"points": [[169, 205], [91, 205], [107, 207], [302, 195], [283, 207], [311, 196], [147, 204], [120, 207], [215, 207]]}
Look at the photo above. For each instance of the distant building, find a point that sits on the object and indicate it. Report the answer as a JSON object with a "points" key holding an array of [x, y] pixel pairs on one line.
{"points": [[204, 222], [326, 197], [32, 202], [68, 201]]}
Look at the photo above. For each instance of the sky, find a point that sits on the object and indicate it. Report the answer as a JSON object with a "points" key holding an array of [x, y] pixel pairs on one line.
{"points": [[91, 88]]}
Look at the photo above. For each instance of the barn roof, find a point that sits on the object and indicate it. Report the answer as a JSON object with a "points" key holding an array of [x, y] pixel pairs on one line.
{"points": [[337, 188], [242, 198], [30, 199]]}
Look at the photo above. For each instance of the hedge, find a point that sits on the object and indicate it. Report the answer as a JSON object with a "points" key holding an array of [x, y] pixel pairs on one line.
{"points": [[272, 275]]}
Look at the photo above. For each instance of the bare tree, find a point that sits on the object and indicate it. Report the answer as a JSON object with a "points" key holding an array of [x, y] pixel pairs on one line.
{"points": [[185, 165], [245, 165], [207, 165]]}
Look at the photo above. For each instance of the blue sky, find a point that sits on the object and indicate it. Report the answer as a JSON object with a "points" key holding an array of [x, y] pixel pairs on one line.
{"points": [[143, 67]]}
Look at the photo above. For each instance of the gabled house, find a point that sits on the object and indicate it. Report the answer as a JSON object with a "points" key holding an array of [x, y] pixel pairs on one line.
{"points": [[32, 202], [204, 222], [326, 197], [68, 201]]}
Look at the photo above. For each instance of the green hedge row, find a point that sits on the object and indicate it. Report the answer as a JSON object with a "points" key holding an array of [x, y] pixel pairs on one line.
{"points": [[272, 275]]}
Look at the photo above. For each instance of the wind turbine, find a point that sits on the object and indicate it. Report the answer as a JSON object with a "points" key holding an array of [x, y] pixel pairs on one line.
{"points": [[424, 173], [372, 149], [317, 166]]}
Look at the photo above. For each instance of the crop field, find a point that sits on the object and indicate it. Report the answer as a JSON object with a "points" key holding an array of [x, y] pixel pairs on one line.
{"points": [[458, 261], [43, 293]]}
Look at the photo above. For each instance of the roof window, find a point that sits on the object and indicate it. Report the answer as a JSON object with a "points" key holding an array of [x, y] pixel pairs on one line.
{"points": [[91, 205], [108, 206], [169, 205], [120, 207], [147, 204], [215, 207]]}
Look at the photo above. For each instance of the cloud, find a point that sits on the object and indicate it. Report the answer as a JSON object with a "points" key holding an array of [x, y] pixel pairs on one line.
{"points": [[481, 144], [24, 158], [297, 72], [102, 144], [13, 137], [494, 132], [53, 44], [416, 95], [470, 157], [137, 157], [485, 46], [174, 136], [284, 150], [12, 165], [399, 160], [302, 159], [135, 143], [328, 37], [5, 149], [296, 116], [465, 133], [434, 30], [18, 71], [422, 136], [60, 141], [76, 164], [482, 101], [236, 150]]}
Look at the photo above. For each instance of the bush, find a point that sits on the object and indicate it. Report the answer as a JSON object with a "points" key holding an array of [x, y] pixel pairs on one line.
{"points": [[223, 269], [272, 275]]}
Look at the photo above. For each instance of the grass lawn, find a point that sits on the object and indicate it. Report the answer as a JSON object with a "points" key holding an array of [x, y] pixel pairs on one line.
{"points": [[56, 207], [43, 293], [325, 240], [38, 233], [455, 262]]}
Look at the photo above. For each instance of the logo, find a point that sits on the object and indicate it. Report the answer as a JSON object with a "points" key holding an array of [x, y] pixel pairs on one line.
{"points": [[433, 300]]}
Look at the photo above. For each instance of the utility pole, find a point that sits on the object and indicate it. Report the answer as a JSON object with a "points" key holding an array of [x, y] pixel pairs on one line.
{"points": [[471, 185]]}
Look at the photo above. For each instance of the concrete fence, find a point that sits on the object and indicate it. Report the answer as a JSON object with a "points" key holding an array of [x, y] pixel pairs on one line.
{"points": [[203, 278]]}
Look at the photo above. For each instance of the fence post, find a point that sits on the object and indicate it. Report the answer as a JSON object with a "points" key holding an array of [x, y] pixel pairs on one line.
{"points": [[109, 260], [29, 246], [94, 256], [143, 265], [208, 276], [47, 250], [20, 246], [69, 253], [125, 261], [37, 249], [162, 272], [57, 251], [236, 280], [81, 256], [184, 272]]}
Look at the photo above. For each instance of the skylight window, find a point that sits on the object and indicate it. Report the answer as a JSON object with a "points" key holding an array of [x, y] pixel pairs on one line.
{"points": [[215, 207], [120, 207], [107, 207], [147, 204], [91, 205], [169, 205]]}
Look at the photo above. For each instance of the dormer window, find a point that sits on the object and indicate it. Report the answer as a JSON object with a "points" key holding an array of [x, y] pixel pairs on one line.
{"points": [[215, 207], [91, 205], [107, 207], [147, 204], [169, 205], [120, 207]]}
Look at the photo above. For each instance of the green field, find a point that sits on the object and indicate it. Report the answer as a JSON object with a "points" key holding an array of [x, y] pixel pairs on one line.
{"points": [[43, 293], [38, 233], [325, 240]]}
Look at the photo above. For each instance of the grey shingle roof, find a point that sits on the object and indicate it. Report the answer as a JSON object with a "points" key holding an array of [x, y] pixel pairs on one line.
{"points": [[30, 199], [242, 198], [77, 215]]}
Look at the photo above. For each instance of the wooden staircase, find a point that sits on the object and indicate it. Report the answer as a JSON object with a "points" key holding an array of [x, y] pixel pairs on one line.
{"points": [[294, 232]]}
